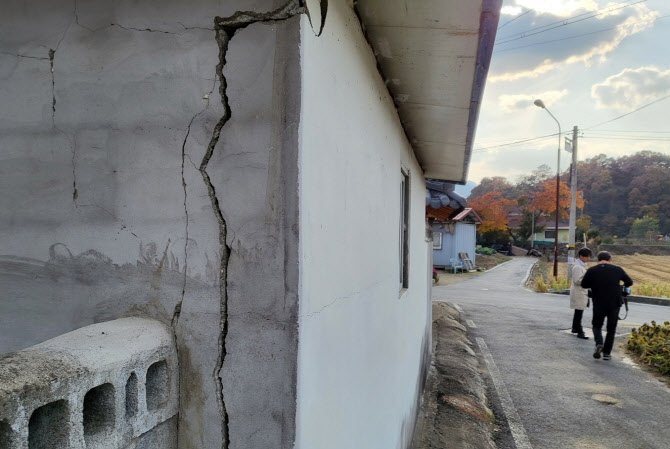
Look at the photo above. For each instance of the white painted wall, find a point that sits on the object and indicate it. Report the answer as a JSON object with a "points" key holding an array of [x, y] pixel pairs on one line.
{"points": [[361, 340]]}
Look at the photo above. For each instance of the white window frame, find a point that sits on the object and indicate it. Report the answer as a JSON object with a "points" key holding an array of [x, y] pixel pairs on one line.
{"points": [[437, 239]]}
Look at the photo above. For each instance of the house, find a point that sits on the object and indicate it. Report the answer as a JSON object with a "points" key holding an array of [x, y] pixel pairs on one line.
{"points": [[452, 236], [547, 236], [212, 176]]}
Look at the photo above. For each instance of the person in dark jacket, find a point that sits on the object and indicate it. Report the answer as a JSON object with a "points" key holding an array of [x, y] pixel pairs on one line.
{"points": [[508, 249], [604, 280]]}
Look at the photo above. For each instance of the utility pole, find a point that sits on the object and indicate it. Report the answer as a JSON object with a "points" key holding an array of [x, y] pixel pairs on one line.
{"points": [[573, 204], [532, 230]]}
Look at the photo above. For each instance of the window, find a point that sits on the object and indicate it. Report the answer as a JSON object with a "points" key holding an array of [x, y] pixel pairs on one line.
{"points": [[550, 234], [437, 240], [404, 229]]}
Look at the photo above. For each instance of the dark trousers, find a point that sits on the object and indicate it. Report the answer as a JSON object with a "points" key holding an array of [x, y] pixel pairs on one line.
{"points": [[577, 322], [599, 315]]}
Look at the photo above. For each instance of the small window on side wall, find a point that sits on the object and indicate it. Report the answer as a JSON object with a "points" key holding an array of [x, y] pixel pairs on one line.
{"points": [[437, 240], [404, 229], [550, 234]]}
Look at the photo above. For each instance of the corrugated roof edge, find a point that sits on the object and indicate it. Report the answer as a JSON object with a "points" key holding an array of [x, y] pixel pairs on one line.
{"points": [[464, 213], [488, 26]]}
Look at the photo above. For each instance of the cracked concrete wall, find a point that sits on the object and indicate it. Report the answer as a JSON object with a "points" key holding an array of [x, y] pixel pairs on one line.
{"points": [[364, 344], [113, 206]]}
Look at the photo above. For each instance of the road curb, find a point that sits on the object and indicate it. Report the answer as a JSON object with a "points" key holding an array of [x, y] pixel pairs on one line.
{"points": [[530, 270], [454, 411], [631, 298]]}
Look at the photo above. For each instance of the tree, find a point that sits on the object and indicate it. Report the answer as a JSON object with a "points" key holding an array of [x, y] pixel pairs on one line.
{"points": [[615, 192], [635, 201], [545, 199], [644, 227], [495, 184], [529, 185], [582, 226], [493, 209], [528, 224]]}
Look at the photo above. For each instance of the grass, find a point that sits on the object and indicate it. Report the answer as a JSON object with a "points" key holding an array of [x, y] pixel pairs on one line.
{"points": [[542, 279], [650, 274]]}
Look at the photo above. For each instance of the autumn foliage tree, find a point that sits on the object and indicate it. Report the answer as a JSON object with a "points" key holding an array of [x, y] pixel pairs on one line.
{"points": [[493, 209], [545, 200]]}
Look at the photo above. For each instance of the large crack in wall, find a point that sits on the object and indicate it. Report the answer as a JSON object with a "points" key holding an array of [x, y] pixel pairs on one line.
{"points": [[225, 29]]}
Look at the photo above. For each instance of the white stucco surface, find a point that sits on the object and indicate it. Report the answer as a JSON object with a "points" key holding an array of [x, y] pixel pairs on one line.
{"points": [[362, 341]]}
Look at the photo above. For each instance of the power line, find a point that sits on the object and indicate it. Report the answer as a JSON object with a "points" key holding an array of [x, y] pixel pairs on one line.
{"points": [[628, 113], [628, 131], [518, 141], [517, 17], [654, 139], [580, 35], [565, 20], [562, 23]]}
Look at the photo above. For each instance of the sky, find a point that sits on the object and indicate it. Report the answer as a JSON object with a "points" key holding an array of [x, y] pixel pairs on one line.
{"points": [[590, 61]]}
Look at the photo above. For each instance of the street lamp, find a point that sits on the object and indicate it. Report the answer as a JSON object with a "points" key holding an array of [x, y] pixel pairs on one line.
{"points": [[540, 104]]}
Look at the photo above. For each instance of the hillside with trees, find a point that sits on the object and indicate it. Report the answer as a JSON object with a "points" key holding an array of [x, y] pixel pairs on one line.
{"points": [[625, 196]]}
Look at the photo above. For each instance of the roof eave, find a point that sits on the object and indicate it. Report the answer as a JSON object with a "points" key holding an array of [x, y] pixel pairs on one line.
{"points": [[488, 26]]}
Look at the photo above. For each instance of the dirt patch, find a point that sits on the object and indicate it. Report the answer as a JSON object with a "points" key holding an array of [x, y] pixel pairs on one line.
{"points": [[447, 277], [605, 399], [468, 406], [488, 262], [484, 262]]}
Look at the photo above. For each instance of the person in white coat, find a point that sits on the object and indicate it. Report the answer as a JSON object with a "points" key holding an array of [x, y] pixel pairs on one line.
{"points": [[579, 298]]}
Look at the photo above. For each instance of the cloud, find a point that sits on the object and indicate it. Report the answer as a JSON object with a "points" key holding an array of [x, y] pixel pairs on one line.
{"points": [[639, 19], [631, 88], [511, 10], [563, 8], [511, 103]]}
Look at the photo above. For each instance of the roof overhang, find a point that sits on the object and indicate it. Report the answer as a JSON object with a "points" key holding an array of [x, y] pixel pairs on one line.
{"points": [[434, 55]]}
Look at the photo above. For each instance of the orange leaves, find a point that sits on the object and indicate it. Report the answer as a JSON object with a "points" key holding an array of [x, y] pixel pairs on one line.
{"points": [[545, 200], [493, 210]]}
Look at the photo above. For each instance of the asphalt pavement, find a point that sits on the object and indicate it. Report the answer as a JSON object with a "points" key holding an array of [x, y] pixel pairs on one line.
{"points": [[544, 386]]}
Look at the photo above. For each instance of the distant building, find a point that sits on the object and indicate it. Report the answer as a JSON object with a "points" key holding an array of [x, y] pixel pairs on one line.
{"points": [[452, 236], [546, 236]]}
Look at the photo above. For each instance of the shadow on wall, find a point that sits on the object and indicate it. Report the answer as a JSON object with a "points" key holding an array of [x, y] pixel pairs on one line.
{"points": [[43, 299]]}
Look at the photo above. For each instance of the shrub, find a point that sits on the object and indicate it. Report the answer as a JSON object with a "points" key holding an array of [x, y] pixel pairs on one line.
{"points": [[540, 286], [652, 344], [657, 290], [559, 283], [485, 251], [663, 290], [645, 290]]}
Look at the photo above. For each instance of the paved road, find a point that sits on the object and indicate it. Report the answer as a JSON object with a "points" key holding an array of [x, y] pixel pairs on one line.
{"points": [[549, 390]]}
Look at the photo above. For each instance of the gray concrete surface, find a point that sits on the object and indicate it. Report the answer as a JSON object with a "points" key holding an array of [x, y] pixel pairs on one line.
{"points": [[564, 398], [105, 386], [135, 185]]}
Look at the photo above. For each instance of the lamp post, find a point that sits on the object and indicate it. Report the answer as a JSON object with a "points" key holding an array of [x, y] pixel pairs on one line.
{"points": [[540, 104]]}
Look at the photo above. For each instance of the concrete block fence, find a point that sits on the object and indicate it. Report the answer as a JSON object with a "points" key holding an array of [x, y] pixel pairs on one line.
{"points": [[112, 385]]}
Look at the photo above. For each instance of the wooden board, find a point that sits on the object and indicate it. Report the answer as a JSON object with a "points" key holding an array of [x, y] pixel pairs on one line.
{"points": [[467, 263]]}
